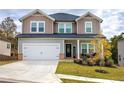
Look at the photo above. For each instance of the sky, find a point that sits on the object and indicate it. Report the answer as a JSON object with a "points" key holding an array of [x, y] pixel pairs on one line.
{"points": [[112, 24]]}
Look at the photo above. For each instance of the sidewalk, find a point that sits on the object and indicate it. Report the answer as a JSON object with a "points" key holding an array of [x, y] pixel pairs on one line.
{"points": [[87, 79]]}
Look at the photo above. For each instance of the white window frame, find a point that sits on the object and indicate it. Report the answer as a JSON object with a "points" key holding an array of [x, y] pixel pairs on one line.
{"points": [[87, 47], [64, 26], [91, 27], [37, 29]]}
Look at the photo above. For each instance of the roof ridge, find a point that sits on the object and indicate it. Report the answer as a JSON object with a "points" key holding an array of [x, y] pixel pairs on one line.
{"points": [[63, 13]]}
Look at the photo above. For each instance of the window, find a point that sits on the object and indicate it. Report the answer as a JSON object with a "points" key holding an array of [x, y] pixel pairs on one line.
{"points": [[34, 27], [68, 28], [84, 48], [87, 48], [88, 27], [41, 27], [65, 27], [91, 48], [61, 28], [8, 46], [37, 26]]}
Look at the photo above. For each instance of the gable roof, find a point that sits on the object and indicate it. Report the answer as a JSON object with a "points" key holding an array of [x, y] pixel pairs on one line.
{"points": [[64, 17], [35, 11], [90, 14]]}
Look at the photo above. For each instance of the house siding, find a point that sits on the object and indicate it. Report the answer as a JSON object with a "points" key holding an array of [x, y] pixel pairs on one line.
{"points": [[81, 26], [37, 17], [3, 48], [121, 52]]}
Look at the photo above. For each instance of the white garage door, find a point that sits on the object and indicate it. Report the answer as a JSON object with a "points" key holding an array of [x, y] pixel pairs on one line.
{"points": [[42, 51]]}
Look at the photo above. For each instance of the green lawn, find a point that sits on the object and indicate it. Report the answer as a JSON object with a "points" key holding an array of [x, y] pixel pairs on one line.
{"points": [[5, 62], [74, 81], [89, 71]]}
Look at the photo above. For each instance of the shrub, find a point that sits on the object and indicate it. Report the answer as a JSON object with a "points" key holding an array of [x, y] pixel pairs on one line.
{"points": [[96, 58], [84, 62], [88, 55], [78, 61], [90, 62], [109, 62]]}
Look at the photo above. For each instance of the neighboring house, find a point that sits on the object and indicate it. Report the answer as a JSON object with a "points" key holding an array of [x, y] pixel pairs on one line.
{"points": [[13, 41], [57, 36], [5, 47], [121, 51]]}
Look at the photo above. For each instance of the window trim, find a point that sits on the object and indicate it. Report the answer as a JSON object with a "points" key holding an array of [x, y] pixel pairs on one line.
{"points": [[64, 26], [87, 47], [91, 26], [37, 29]]}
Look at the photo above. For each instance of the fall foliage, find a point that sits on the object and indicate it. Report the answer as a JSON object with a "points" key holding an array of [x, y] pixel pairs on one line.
{"points": [[103, 47]]}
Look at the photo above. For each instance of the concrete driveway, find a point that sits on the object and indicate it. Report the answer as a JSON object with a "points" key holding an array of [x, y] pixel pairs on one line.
{"points": [[30, 71]]}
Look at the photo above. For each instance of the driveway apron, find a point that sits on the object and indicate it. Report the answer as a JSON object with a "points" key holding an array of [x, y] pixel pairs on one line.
{"points": [[30, 71]]}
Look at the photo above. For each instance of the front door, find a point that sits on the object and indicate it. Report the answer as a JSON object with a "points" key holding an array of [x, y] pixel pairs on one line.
{"points": [[68, 50]]}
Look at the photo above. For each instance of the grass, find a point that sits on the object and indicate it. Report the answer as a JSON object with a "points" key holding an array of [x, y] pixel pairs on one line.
{"points": [[75, 81], [89, 71], [5, 62]]}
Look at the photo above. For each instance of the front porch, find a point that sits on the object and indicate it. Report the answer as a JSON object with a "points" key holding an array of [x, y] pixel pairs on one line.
{"points": [[74, 48]]}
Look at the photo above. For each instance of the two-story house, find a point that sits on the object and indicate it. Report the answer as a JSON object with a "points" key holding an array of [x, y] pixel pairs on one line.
{"points": [[57, 36]]}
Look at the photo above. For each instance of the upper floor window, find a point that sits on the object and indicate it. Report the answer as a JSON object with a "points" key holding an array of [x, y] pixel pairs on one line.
{"points": [[88, 27], [61, 28], [65, 27], [37, 26]]}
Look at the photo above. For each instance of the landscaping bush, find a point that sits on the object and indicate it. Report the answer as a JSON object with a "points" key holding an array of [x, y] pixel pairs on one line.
{"points": [[93, 59], [109, 62], [88, 55], [96, 59], [84, 62], [78, 61], [90, 62]]}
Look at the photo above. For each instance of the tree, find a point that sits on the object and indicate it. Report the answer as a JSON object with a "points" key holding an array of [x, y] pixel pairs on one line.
{"points": [[114, 41], [9, 27], [103, 47], [8, 31]]}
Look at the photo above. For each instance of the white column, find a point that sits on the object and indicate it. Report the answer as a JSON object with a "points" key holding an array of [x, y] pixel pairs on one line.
{"points": [[63, 46], [102, 54], [78, 49]]}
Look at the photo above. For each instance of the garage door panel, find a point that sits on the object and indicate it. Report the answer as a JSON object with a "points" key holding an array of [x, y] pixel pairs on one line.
{"points": [[44, 51]]}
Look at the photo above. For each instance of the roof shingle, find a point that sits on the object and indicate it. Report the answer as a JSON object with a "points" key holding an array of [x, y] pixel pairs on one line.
{"points": [[64, 17]]}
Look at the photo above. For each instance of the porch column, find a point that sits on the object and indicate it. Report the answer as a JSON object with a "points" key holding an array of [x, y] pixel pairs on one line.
{"points": [[63, 46], [62, 53], [78, 49], [102, 54]]}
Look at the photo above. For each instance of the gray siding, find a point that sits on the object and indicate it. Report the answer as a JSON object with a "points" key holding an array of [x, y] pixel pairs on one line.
{"points": [[21, 41], [121, 52]]}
